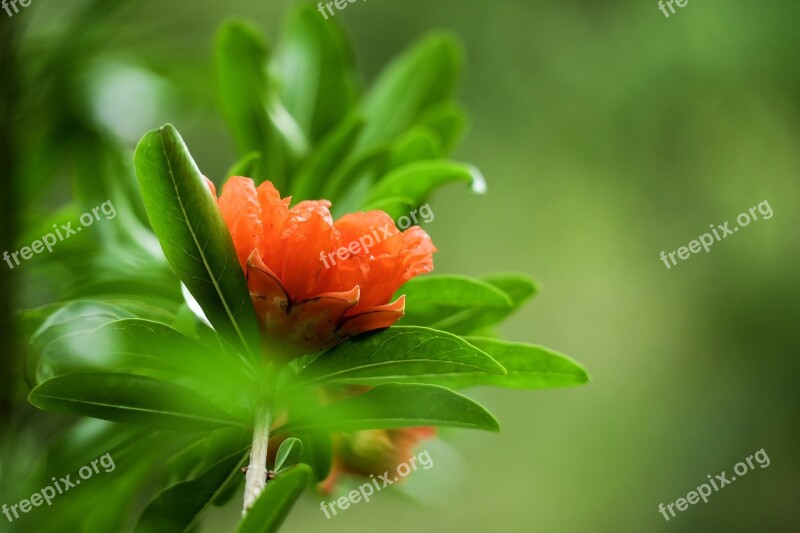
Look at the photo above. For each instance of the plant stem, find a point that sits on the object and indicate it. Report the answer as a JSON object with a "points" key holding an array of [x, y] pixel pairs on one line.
{"points": [[256, 478]]}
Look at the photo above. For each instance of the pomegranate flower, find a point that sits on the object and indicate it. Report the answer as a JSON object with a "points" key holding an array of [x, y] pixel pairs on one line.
{"points": [[314, 282]]}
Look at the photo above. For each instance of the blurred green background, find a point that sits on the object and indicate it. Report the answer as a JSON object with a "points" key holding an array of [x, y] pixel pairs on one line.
{"points": [[607, 133]]}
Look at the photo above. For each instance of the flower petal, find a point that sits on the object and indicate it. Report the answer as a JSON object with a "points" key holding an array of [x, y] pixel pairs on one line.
{"points": [[374, 318], [270, 299], [274, 214], [242, 215], [314, 322], [306, 238]]}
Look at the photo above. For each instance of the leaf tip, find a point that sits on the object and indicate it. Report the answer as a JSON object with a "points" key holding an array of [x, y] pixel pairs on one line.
{"points": [[478, 180]]}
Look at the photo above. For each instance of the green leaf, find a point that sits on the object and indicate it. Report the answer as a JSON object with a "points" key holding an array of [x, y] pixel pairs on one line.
{"points": [[418, 180], [247, 166], [188, 462], [531, 367], [241, 67], [517, 287], [257, 119], [396, 405], [395, 206], [128, 343], [147, 307], [117, 493], [317, 452], [224, 442], [432, 301], [179, 507], [76, 317], [27, 321], [352, 172], [463, 305], [91, 437], [289, 137], [155, 350], [289, 453], [193, 235], [528, 366], [67, 325], [317, 169], [397, 352], [130, 399], [418, 144], [422, 77], [448, 120], [153, 345], [192, 460], [273, 505], [317, 72], [100, 174]]}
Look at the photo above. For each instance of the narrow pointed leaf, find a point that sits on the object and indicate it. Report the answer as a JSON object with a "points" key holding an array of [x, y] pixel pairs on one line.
{"points": [[398, 352], [155, 350], [418, 180], [422, 77], [395, 405], [180, 507], [519, 290], [317, 452], [274, 504], [223, 442], [354, 171], [528, 366], [257, 120], [188, 462], [448, 120], [318, 168], [418, 144], [317, 72], [432, 301], [247, 166], [288, 454], [452, 303], [395, 206], [127, 344], [518, 287], [193, 235], [67, 325], [241, 68], [130, 399]]}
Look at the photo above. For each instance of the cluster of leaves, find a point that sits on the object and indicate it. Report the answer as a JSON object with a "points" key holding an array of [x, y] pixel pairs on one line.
{"points": [[195, 384]]}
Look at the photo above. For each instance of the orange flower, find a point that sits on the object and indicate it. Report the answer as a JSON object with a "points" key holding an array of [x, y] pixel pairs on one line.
{"points": [[313, 281]]}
